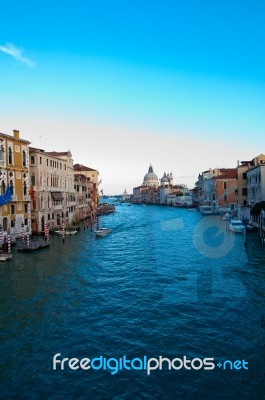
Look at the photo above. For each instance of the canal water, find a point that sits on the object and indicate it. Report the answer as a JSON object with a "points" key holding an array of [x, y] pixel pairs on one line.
{"points": [[166, 282]]}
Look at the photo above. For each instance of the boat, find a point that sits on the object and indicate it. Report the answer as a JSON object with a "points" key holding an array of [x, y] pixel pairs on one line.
{"points": [[250, 227], [24, 246], [33, 244], [66, 232], [227, 217], [206, 210], [236, 225], [102, 231], [5, 256]]}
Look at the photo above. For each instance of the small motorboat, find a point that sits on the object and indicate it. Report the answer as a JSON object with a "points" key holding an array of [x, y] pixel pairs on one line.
{"points": [[5, 256], [236, 225], [66, 232], [102, 231]]}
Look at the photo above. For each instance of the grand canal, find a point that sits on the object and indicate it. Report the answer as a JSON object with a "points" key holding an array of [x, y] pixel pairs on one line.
{"points": [[164, 282]]}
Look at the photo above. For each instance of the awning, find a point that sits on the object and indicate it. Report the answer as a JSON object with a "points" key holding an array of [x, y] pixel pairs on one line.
{"points": [[57, 196]]}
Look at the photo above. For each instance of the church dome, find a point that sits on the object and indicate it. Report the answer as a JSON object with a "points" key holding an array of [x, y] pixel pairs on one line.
{"points": [[151, 179], [165, 178]]}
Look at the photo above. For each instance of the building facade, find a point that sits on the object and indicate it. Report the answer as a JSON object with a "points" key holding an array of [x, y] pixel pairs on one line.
{"points": [[14, 180], [92, 175], [256, 183], [51, 189], [83, 189]]}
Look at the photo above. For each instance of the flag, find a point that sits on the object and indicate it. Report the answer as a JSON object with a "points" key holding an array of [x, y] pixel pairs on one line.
{"points": [[5, 198]]}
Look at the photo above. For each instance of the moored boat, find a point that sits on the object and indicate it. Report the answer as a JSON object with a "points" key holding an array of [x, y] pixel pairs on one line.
{"points": [[236, 225], [66, 232], [5, 256]]}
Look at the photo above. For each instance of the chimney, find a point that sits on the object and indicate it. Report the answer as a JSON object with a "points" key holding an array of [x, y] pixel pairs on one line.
{"points": [[16, 134]]}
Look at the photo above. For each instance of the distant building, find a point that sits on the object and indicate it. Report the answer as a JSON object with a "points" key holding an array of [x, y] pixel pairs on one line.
{"points": [[155, 191], [126, 196], [14, 179]]}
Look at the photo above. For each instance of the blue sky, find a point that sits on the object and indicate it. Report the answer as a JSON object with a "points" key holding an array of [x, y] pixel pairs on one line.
{"points": [[180, 84]]}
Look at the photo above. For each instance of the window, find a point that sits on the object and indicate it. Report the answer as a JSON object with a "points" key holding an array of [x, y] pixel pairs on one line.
{"points": [[25, 208], [225, 197], [49, 217], [32, 160], [244, 192], [5, 224], [13, 224], [10, 156], [12, 209], [47, 162], [33, 179], [224, 185], [26, 221], [3, 187], [25, 189], [2, 151], [11, 185], [40, 160], [244, 175], [24, 160]]}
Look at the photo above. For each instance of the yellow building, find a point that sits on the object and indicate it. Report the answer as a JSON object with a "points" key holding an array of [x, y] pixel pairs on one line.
{"points": [[14, 179]]}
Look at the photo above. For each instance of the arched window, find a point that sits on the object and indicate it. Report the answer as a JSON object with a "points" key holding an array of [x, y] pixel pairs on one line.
{"points": [[25, 189], [3, 188], [2, 151], [10, 156], [11, 185], [225, 197], [24, 161]]}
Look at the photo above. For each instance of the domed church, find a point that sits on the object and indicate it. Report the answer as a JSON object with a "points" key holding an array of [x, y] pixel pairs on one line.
{"points": [[151, 179]]}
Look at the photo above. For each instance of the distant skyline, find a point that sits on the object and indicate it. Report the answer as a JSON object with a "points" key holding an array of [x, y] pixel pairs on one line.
{"points": [[122, 84]]}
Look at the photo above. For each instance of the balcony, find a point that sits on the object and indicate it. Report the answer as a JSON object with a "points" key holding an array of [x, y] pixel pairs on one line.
{"points": [[14, 197], [27, 198]]}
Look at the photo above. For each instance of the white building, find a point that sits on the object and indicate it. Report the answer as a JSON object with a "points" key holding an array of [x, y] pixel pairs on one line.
{"points": [[256, 183], [52, 189]]}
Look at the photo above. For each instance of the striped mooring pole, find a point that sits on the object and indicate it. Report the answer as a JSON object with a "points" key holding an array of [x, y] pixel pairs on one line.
{"points": [[8, 243], [1, 237], [46, 230], [28, 240], [63, 232], [22, 233]]}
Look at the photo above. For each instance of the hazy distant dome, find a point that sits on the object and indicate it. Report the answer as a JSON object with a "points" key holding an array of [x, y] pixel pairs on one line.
{"points": [[165, 179], [151, 179]]}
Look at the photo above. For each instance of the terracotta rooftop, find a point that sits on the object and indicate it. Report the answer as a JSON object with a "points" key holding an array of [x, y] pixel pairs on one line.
{"points": [[57, 154], [80, 167], [229, 174]]}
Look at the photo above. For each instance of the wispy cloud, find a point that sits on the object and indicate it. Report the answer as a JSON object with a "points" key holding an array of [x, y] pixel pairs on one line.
{"points": [[17, 53]]}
